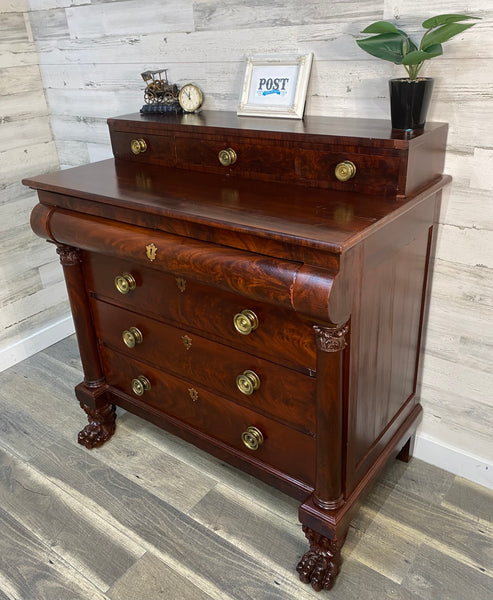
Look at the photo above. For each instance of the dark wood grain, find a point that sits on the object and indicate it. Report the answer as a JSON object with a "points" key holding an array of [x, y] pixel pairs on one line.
{"points": [[337, 270]]}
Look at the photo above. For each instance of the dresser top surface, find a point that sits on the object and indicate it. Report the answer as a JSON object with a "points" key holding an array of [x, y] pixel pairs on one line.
{"points": [[323, 219]]}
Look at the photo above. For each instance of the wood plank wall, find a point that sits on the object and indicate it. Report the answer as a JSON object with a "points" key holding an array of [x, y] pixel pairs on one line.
{"points": [[91, 54], [32, 294]]}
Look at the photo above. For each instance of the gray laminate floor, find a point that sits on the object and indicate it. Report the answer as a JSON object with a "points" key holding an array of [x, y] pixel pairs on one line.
{"points": [[150, 517]]}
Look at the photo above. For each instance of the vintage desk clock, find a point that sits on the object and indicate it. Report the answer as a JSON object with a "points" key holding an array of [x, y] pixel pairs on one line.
{"points": [[257, 287]]}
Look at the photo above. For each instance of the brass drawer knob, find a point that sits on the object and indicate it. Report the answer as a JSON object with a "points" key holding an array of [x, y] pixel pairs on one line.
{"points": [[227, 157], [138, 146], [245, 322], [248, 382], [132, 336], [345, 170], [140, 385], [125, 283], [252, 438]]}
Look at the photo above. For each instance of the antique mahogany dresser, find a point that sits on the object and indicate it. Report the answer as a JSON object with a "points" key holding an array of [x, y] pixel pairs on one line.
{"points": [[257, 287]]}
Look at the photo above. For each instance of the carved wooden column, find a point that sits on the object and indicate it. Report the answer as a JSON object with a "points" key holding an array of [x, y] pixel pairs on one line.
{"points": [[92, 392], [321, 564], [331, 342]]}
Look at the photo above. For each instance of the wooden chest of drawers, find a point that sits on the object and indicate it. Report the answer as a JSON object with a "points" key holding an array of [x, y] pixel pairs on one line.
{"points": [[257, 287]]}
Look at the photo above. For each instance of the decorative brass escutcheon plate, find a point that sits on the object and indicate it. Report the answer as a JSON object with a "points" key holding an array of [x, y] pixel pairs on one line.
{"points": [[194, 395], [151, 250], [181, 283], [187, 341]]}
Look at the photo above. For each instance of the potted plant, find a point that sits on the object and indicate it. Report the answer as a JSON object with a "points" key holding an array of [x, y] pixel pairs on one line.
{"points": [[410, 96]]}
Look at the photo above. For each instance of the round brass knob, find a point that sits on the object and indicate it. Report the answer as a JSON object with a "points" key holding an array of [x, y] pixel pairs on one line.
{"points": [[245, 322], [227, 157], [132, 336], [345, 170], [138, 146], [125, 283], [140, 385], [252, 438], [248, 382]]}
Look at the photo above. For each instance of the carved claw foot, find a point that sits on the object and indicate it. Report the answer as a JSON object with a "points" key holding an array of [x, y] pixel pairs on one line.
{"points": [[321, 564], [101, 425]]}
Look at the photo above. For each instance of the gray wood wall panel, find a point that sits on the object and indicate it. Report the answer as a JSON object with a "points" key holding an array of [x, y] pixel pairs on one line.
{"points": [[91, 54]]}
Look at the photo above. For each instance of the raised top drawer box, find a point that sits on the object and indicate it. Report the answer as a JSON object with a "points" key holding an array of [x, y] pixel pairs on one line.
{"points": [[317, 152]]}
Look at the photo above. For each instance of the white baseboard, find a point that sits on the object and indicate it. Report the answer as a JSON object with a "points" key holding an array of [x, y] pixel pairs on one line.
{"points": [[35, 343], [455, 460]]}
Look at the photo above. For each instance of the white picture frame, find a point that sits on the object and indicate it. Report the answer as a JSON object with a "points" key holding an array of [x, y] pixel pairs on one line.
{"points": [[275, 86]]}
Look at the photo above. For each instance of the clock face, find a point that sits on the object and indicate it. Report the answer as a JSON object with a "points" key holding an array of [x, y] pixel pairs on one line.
{"points": [[190, 97]]}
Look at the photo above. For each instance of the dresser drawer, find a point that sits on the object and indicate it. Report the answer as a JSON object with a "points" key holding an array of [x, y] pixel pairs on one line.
{"points": [[279, 336], [258, 160], [282, 393], [148, 148], [283, 448]]}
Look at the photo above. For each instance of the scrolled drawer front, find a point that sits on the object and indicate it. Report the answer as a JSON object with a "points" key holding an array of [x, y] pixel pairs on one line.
{"points": [[270, 442], [262, 329], [274, 390]]}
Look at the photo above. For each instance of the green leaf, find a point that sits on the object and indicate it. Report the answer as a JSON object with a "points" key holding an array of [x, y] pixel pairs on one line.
{"points": [[381, 27], [442, 34], [387, 46], [414, 58], [445, 20]]}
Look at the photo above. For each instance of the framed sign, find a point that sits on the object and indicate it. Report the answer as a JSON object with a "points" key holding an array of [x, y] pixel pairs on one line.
{"points": [[275, 86]]}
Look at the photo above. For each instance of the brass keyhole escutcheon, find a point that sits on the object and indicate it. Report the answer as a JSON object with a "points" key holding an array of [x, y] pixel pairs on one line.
{"points": [[252, 438], [140, 385], [181, 283], [245, 322], [138, 146], [247, 382], [345, 170], [132, 337], [194, 395], [125, 283], [227, 157], [187, 341]]}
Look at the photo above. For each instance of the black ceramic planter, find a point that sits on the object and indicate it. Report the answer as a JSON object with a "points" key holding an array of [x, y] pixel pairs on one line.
{"points": [[409, 102]]}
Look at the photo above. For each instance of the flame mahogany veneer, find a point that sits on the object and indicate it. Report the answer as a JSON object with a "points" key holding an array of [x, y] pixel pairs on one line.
{"points": [[335, 274]]}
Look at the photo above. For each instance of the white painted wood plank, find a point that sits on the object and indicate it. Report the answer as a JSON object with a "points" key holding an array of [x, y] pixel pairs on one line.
{"points": [[13, 6], [217, 15], [21, 80], [30, 160], [17, 134], [17, 54], [19, 107], [120, 18], [465, 246]]}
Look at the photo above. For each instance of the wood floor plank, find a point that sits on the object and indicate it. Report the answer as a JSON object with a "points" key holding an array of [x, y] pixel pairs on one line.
{"points": [[455, 535], [438, 576], [67, 527], [151, 578], [470, 499], [163, 475], [243, 483], [172, 535], [36, 572]]}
